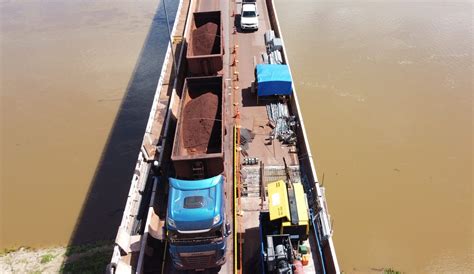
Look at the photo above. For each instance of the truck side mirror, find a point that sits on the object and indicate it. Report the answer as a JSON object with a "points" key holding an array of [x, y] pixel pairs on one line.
{"points": [[228, 229]]}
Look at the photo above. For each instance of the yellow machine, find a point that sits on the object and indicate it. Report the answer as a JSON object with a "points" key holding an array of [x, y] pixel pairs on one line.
{"points": [[287, 203]]}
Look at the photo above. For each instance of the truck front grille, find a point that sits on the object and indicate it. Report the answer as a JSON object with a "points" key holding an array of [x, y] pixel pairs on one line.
{"points": [[199, 260]]}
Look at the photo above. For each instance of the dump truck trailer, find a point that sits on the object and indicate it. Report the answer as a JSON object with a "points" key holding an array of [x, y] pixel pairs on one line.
{"points": [[205, 44], [199, 137]]}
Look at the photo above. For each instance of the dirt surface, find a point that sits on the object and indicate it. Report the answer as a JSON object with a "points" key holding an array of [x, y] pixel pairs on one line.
{"points": [[198, 121], [204, 38], [33, 261], [78, 259]]}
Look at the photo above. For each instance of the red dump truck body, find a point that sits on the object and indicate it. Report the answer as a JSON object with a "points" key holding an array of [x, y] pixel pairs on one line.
{"points": [[205, 44], [199, 137]]}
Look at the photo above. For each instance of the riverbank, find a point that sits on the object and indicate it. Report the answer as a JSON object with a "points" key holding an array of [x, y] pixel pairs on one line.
{"points": [[72, 259]]}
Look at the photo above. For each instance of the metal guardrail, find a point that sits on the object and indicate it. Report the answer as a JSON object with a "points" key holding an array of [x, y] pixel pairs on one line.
{"points": [[324, 214], [124, 239], [318, 239]]}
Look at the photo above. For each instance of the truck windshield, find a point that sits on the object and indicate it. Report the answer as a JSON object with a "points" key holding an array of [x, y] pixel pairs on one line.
{"points": [[249, 14]]}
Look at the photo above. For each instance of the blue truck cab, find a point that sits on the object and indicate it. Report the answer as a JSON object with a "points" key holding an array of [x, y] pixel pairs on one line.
{"points": [[196, 225]]}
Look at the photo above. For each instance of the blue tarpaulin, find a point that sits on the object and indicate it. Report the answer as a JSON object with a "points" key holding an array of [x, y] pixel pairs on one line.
{"points": [[273, 79]]}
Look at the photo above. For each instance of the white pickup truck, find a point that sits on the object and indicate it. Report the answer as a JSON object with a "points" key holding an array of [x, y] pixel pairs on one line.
{"points": [[249, 15]]}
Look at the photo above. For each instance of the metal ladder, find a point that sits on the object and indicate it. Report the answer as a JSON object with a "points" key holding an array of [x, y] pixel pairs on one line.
{"points": [[198, 170]]}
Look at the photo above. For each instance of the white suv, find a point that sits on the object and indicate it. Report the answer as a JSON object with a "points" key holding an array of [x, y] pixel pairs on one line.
{"points": [[249, 16]]}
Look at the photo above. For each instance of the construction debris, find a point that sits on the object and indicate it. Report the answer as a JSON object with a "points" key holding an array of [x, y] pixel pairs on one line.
{"points": [[246, 137]]}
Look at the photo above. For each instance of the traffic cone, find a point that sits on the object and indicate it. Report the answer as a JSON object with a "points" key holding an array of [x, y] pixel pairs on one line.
{"points": [[234, 62]]}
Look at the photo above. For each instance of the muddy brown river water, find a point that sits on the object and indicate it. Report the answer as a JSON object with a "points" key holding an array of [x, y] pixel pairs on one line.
{"points": [[66, 68], [385, 87], [387, 96]]}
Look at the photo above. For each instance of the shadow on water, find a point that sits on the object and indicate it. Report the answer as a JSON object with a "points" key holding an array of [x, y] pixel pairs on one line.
{"points": [[104, 204]]}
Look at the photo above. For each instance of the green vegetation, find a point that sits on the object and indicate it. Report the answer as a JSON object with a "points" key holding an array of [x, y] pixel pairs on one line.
{"points": [[6, 251], [46, 258], [90, 262], [76, 249], [88, 258], [391, 271]]}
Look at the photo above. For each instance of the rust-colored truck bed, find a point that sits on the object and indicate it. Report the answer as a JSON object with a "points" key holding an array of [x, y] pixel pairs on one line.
{"points": [[198, 142], [205, 44]]}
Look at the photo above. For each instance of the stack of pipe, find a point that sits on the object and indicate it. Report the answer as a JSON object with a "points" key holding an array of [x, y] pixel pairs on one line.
{"points": [[274, 46], [279, 116]]}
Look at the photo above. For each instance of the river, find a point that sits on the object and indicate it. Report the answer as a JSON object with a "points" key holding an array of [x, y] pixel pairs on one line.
{"points": [[386, 92], [387, 96], [77, 82]]}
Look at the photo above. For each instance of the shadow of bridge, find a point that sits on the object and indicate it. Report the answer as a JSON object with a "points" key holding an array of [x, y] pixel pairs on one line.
{"points": [[104, 204]]}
